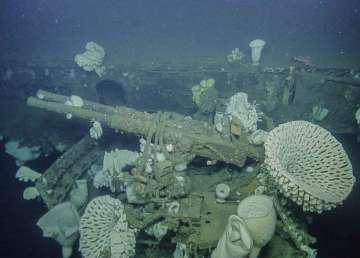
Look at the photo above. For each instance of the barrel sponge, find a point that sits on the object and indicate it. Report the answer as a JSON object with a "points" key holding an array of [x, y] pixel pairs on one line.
{"points": [[260, 218], [308, 165], [104, 230]]}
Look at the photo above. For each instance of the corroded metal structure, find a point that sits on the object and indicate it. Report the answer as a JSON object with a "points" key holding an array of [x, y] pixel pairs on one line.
{"points": [[191, 137]]}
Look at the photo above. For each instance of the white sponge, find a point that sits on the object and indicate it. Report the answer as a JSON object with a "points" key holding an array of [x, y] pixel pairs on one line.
{"points": [[104, 230], [260, 218], [26, 174]]}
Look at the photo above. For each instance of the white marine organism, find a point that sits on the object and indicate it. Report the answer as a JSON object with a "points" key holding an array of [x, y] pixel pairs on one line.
{"points": [[249, 169], [181, 166], [158, 230], [113, 164], [160, 157], [74, 101], [173, 207], [61, 147], [308, 165], [22, 154], [142, 144], [132, 196], [258, 137], [256, 46], [260, 190], [62, 224], [79, 195], [149, 166], [101, 179], [258, 214], [319, 113], [30, 193], [239, 107], [40, 95], [219, 121], [211, 162], [26, 174], [96, 130], [115, 160], [104, 229], [236, 241], [357, 116], [235, 56], [92, 59], [222, 191], [169, 147], [181, 251]]}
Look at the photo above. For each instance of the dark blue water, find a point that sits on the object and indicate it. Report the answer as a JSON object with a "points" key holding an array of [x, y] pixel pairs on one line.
{"points": [[338, 230], [20, 237], [181, 30]]}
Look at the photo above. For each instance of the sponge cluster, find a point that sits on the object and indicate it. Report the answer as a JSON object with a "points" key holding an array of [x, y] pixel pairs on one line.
{"points": [[308, 165], [239, 107], [92, 59]]}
